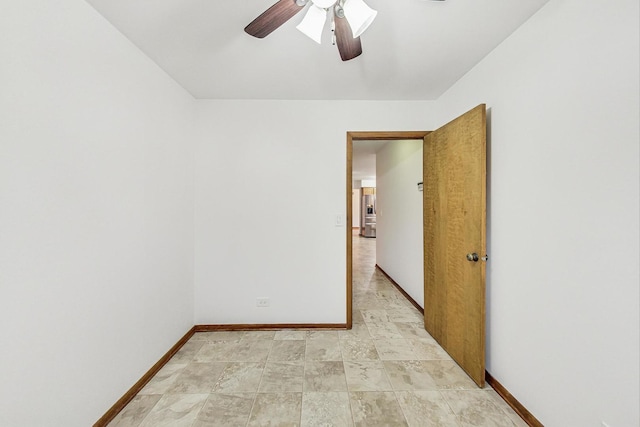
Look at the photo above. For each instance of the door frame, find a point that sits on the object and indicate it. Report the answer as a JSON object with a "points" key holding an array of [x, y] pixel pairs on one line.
{"points": [[364, 136]]}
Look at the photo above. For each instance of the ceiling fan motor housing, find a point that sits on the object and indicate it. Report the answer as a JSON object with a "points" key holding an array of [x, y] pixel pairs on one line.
{"points": [[325, 4]]}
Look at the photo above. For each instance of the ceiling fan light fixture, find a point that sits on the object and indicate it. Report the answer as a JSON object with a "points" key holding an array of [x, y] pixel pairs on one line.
{"points": [[313, 23], [359, 15]]}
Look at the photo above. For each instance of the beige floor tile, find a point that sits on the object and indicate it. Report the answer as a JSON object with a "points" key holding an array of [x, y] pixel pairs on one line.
{"points": [[395, 349], [366, 376], [276, 409], [175, 410], [390, 295], [411, 330], [356, 316], [404, 315], [322, 335], [218, 351], [477, 418], [225, 410], [385, 330], [219, 335], [377, 284], [326, 409], [500, 403], [410, 375], [258, 335], [197, 378], [282, 377], [400, 304], [324, 376], [376, 409], [468, 402], [133, 414], [198, 336], [426, 409], [252, 351], [290, 334], [358, 350], [287, 351], [375, 316], [429, 349], [164, 379], [322, 349], [239, 377], [368, 303], [448, 375], [358, 331], [476, 408], [188, 351]]}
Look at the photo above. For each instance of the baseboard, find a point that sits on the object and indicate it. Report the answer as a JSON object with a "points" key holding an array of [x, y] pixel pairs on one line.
{"points": [[268, 326], [512, 401], [402, 291], [133, 391]]}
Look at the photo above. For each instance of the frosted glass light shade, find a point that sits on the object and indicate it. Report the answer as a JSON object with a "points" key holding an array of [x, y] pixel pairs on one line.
{"points": [[359, 16], [313, 23]]}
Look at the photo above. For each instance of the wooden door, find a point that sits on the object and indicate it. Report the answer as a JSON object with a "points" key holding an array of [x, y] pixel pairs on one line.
{"points": [[454, 176]]}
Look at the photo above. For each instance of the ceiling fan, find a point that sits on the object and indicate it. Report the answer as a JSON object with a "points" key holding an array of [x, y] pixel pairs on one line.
{"points": [[349, 19]]}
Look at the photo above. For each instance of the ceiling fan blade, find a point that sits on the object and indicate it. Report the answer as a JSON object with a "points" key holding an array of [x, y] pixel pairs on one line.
{"points": [[348, 47], [272, 18]]}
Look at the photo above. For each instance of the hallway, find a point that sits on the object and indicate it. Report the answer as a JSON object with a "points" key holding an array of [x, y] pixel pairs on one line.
{"points": [[386, 371]]}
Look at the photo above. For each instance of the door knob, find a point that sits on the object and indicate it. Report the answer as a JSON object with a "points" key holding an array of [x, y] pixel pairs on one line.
{"points": [[474, 257]]}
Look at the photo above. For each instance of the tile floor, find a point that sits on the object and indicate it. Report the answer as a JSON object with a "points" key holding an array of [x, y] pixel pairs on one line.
{"points": [[386, 371]]}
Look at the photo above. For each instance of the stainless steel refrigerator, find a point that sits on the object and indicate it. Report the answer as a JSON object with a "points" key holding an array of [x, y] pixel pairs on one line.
{"points": [[368, 215]]}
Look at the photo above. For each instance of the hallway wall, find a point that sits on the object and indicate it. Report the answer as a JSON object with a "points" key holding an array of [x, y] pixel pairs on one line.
{"points": [[96, 214], [399, 242], [562, 96]]}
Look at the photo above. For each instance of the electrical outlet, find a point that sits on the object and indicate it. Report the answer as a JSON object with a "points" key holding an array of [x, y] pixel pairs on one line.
{"points": [[262, 302], [339, 220]]}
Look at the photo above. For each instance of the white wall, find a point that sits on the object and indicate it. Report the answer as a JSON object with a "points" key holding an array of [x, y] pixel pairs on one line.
{"points": [[355, 205], [562, 94], [258, 233], [96, 214], [399, 242]]}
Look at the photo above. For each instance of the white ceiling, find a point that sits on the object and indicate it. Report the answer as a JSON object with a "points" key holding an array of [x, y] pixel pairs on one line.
{"points": [[414, 50]]}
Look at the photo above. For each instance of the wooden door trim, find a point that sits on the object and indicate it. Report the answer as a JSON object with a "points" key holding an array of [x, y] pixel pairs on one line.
{"points": [[360, 136]]}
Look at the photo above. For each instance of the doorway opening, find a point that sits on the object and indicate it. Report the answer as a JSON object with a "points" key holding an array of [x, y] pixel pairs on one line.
{"points": [[363, 136]]}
